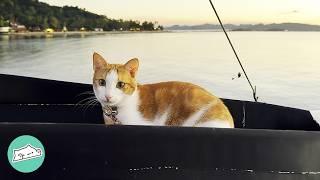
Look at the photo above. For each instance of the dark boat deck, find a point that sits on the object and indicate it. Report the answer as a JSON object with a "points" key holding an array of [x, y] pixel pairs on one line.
{"points": [[270, 142]]}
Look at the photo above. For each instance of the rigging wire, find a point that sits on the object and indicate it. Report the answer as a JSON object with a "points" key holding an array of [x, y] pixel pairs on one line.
{"points": [[254, 89]]}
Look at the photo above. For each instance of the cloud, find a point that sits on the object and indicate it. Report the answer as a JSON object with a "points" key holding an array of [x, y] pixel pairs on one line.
{"points": [[291, 12], [295, 11]]}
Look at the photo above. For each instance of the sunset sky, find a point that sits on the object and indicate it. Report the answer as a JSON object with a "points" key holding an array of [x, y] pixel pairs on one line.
{"points": [[189, 12]]}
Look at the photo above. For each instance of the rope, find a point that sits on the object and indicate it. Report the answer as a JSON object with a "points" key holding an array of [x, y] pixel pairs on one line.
{"points": [[254, 89]]}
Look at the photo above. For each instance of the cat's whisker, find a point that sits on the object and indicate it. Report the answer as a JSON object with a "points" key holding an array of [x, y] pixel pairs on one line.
{"points": [[86, 104], [85, 93], [94, 104], [90, 103], [84, 107], [80, 106], [83, 103]]}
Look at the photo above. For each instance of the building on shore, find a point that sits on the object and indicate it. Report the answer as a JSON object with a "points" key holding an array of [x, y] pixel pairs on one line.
{"points": [[19, 28], [135, 29], [49, 30], [35, 29], [4, 30], [64, 29], [98, 29]]}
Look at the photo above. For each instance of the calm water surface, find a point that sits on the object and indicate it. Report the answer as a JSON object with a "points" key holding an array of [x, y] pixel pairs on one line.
{"points": [[283, 65]]}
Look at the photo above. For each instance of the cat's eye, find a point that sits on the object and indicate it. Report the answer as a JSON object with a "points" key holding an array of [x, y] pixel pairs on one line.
{"points": [[102, 82], [120, 85]]}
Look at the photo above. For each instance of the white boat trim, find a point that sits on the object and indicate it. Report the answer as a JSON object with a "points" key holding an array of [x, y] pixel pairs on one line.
{"points": [[316, 115]]}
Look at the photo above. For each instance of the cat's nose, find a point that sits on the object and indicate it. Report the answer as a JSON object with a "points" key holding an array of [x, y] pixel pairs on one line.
{"points": [[108, 98]]}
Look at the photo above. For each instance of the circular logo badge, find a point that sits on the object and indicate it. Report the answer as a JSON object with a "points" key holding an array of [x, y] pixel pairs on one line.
{"points": [[26, 154]]}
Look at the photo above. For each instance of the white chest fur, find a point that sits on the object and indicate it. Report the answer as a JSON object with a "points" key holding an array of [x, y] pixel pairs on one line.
{"points": [[128, 111]]}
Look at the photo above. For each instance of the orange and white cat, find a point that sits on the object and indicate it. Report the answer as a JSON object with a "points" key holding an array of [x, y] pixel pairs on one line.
{"points": [[165, 103]]}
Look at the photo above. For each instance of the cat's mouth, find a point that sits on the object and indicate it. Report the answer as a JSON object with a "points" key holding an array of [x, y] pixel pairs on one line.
{"points": [[108, 103]]}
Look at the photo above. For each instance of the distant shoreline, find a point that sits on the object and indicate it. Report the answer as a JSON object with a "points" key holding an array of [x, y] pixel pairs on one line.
{"points": [[92, 33], [250, 27], [231, 30], [78, 33]]}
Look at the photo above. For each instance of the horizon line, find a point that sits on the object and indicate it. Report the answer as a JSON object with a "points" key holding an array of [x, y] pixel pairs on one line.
{"points": [[237, 24]]}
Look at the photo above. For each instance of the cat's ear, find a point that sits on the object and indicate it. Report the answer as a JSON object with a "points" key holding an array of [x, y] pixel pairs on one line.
{"points": [[98, 61], [132, 66]]}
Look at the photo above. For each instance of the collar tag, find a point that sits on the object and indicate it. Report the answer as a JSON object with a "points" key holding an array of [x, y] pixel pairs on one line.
{"points": [[111, 112]]}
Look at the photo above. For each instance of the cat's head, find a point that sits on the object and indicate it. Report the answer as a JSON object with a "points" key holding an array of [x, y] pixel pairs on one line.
{"points": [[113, 83]]}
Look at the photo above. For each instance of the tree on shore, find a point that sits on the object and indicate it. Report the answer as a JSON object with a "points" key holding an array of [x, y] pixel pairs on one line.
{"points": [[147, 26], [38, 15], [3, 22]]}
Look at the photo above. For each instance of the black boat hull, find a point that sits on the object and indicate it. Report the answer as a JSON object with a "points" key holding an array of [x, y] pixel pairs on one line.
{"points": [[271, 142]]}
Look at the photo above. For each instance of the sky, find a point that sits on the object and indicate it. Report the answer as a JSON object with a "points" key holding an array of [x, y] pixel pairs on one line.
{"points": [[191, 12]]}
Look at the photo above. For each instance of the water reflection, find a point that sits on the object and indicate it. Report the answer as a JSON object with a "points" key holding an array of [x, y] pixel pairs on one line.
{"points": [[283, 65], [42, 35], [4, 37]]}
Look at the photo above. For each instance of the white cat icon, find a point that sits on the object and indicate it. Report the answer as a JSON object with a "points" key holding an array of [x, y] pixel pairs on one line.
{"points": [[25, 153]]}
